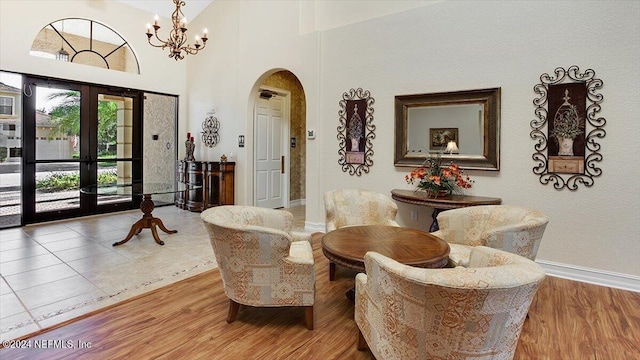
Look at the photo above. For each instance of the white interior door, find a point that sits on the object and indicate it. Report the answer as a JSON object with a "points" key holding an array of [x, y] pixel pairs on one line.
{"points": [[271, 130]]}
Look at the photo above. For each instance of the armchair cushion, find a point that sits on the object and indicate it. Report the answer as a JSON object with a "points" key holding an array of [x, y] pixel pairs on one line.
{"points": [[347, 207], [259, 263], [477, 312], [510, 228]]}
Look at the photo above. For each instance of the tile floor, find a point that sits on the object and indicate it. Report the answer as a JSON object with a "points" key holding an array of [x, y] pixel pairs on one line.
{"points": [[56, 271]]}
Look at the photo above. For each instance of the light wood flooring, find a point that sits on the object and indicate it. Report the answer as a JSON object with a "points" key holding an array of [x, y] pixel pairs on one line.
{"points": [[186, 320]]}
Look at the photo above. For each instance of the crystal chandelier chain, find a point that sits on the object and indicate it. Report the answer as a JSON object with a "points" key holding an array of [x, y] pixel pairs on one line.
{"points": [[177, 41]]}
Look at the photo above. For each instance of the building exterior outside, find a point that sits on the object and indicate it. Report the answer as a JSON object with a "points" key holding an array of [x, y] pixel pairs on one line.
{"points": [[10, 123]]}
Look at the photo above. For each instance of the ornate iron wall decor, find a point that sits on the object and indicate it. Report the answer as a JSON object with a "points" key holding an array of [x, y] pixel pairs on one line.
{"points": [[210, 127], [356, 131], [566, 128]]}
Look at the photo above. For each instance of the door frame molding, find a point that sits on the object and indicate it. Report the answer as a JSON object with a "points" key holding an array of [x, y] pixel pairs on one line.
{"points": [[286, 95]]}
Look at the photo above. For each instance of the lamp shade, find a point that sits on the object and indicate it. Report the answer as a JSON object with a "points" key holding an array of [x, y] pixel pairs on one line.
{"points": [[451, 147]]}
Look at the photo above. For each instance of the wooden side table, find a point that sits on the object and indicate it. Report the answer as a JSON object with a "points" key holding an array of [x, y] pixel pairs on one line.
{"points": [[441, 203], [348, 245]]}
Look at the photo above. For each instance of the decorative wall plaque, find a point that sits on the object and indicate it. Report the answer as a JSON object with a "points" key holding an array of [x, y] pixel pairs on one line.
{"points": [[567, 128], [210, 127], [356, 131]]}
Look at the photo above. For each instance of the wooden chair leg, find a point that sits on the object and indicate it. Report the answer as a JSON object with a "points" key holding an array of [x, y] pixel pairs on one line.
{"points": [[362, 343], [233, 311], [308, 316], [332, 270]]}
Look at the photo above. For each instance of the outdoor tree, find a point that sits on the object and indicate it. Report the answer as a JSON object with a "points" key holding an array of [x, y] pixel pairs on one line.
{"points": [[65, 117]]}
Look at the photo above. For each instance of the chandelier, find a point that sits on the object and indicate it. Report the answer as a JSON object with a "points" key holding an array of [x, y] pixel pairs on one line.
{"points": [[177, 41]]}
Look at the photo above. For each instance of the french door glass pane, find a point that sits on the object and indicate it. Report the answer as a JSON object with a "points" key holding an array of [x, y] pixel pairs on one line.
{"points": [[10, 149], [110, 172], [57, 138], [115, 139], [115, 126], [57, 186], [57, 123]]}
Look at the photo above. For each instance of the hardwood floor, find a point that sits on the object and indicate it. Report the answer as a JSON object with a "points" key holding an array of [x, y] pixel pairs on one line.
{"points": [[186, 320]]}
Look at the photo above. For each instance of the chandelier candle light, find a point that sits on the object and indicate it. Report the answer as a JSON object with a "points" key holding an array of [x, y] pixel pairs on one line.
{"points": [[177, 36]]}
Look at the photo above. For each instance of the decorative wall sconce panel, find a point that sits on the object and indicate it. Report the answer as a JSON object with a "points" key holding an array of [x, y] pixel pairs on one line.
{"points": [[356, 131], [566, 128], [210, 127]]}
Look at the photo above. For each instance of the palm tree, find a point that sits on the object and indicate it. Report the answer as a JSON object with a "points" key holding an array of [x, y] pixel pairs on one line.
{"points": [[65, 117]]}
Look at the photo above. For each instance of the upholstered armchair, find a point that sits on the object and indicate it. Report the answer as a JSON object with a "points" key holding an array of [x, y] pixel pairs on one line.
{"points": [[260, 261], [404, 312], [510, 228], [349, 207]]}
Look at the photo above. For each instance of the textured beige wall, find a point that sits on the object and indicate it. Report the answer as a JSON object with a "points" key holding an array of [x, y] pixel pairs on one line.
{"points": [[159, 155], [285, 80], [419, 51]]}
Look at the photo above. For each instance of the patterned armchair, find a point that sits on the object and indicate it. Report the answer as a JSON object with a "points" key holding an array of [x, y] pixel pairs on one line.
{"points": [[403, 312], [348, 207], [510, 228], [259, 260]]}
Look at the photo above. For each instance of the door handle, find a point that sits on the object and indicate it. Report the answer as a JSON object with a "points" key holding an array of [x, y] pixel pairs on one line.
{"points": [[282, 164]]}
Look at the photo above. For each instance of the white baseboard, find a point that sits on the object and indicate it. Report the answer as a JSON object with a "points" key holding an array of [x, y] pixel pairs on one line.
{"points": [[297, 202], [592, 276]]}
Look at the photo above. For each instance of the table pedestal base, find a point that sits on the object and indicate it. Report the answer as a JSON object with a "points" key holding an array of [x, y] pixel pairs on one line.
{"points": [[147, 222], [434, 225]]}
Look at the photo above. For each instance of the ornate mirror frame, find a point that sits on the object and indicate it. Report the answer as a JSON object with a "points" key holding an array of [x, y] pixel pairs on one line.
{"points": [[489, 99], [568, 97], [356, 131]]}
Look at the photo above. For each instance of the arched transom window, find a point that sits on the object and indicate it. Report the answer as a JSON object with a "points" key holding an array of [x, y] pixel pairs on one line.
{"points": [[87, 42]]}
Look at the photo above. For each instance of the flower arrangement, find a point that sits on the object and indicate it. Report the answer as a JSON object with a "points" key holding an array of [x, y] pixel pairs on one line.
{"points": [[436, 179], [567, 124]]}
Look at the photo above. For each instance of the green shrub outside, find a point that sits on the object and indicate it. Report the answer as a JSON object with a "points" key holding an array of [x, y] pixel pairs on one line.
{"points": [[63, 182], [107, 155]]}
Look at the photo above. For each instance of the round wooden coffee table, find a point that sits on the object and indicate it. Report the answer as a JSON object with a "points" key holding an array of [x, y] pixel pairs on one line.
{"points": [[346, 246]]}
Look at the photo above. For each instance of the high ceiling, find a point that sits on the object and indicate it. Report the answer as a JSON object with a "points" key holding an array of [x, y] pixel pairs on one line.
{"points": [[164, 8]]}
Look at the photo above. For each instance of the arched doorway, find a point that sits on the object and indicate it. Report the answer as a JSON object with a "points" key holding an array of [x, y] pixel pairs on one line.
{"points": [[280, 87]]}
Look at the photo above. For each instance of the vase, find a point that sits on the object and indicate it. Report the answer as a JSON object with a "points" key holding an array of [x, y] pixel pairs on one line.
{"points": [[565, 146], [438, 193]]}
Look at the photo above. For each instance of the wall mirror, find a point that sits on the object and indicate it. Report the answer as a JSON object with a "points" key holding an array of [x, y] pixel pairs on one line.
{"points": [[429, 122]]}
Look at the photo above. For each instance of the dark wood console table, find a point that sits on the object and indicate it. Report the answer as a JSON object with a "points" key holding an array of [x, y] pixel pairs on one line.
{"points": [[214, 180], [441, 203]]}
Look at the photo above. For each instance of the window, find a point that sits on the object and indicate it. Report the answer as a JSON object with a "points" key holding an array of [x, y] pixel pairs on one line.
{"points": [[6, 105], [86, 42]]}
